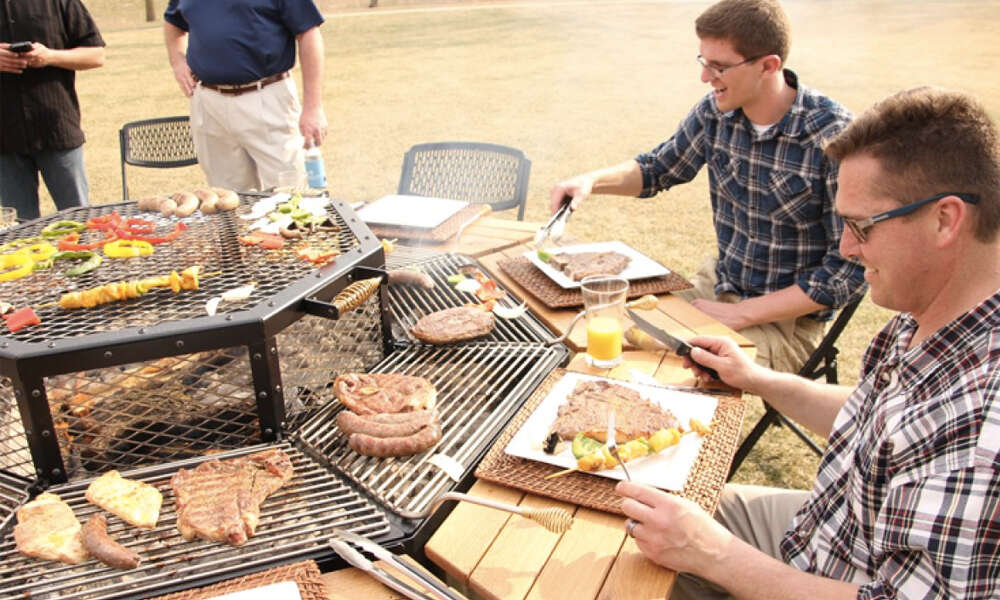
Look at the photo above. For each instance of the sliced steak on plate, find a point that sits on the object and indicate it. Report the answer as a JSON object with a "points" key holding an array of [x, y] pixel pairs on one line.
{"points": [[454, 325], [375, 393], [578, 265], [220, 500], [586, 410]]}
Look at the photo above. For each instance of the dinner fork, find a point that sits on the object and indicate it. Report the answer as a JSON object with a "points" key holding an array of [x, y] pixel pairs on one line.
{"points": [[612, 446]]}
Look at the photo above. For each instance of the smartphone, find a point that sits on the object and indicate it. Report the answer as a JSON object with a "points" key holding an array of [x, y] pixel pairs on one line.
{"points": [[20, 47]]}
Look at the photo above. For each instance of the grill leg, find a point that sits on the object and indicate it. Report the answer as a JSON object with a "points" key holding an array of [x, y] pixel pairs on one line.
{"points": [[267, 388], [33, 404]]}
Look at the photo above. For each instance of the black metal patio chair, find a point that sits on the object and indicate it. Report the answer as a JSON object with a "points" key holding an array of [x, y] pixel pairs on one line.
{"points": [[822, 363], [162, 143], [473, 172]]}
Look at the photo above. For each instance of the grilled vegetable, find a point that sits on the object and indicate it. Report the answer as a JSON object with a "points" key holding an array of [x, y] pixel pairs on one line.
{"points": [[126, 290], [21, 318], [22, 263], [90, 261], [128, 248], [61, 228]]}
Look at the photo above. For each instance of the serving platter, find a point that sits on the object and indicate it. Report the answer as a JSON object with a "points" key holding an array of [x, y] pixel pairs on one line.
{"points": [[404, 210], [640, 266], [668, 469]]}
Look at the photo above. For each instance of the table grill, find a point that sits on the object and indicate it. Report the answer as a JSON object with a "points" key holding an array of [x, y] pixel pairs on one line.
{"points": [[295, 523], [153, 384]]}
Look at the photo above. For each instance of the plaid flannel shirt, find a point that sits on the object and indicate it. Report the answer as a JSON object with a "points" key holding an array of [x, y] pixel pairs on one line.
{"points": [[772, 196], [907, 498]]}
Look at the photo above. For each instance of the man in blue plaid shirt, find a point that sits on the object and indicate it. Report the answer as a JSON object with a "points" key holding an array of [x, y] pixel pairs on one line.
{"points": [[906, 503], [777, 273]]}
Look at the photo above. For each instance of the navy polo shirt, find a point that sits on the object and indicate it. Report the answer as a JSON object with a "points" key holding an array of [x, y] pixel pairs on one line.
{"points": [[239, 41]]}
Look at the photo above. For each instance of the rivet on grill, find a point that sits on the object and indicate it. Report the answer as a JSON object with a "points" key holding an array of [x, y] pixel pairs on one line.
{"points": [[277, 389], [271, 303], [268, 430], [107, 354], [274, 350], [229, 317], [46, 433], [262, 394], [142, 330], [56, 472], [52, 344], [36, 393], [257, 356], [4, 345], [180, 343]]}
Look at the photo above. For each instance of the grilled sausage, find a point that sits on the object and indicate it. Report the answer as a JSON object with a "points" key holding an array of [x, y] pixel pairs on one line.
{"points": [[208, 199], [402, 425], [187, 203], [167, 206], [410, 277], [228, 200], [395, 446], [105, 549], [149, 203]]}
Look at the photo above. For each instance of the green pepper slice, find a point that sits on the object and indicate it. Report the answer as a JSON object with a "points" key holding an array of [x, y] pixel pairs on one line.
{"points": [[61, 228], [91, 260]]}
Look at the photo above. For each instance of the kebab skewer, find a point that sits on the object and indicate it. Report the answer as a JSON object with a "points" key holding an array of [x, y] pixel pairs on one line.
{"points": [[126, 290]]}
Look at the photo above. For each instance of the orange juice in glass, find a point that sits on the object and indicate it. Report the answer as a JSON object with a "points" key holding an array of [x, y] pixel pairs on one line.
{"points": [[604, 303]]}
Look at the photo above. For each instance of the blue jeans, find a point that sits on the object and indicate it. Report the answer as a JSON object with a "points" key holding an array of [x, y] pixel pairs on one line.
{"points": [[62, 171]]}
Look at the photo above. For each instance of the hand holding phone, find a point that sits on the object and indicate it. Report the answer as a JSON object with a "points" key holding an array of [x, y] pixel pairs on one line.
{"points": [[20, 47]]}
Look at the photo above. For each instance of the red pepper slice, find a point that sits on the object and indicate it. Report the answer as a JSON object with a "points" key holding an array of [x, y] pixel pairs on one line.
{"points": [[153, 239], [314, 255], [21, 318], [105, 222], [69, 242], [272, 242], [138, 226]]}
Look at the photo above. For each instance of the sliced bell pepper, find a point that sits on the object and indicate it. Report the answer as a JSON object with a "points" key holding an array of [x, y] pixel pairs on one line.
{"points": [[154, 239], [70, 243], [268, 241], [38, 252], [61, 228], [24, 266], [128, 248], [21, 318], [105, 222], [315, 255], [138, 226]]}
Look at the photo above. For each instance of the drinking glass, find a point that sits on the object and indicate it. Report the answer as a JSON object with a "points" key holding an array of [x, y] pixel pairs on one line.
{"points": [[604, 304]]}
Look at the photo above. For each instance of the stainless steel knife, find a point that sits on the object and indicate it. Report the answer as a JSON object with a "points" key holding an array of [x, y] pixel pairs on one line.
{"points": [[679, 346]]}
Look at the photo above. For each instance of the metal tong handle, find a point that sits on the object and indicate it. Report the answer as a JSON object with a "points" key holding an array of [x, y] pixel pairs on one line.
{"points": [[546, 230], [458, 496]]}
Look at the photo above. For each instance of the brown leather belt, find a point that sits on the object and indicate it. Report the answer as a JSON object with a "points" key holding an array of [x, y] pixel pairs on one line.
{"points": [[253, 86]]}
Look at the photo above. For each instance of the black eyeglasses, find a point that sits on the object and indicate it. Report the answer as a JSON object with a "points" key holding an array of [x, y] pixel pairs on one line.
{"points": [[720, 71], [859, 226]]}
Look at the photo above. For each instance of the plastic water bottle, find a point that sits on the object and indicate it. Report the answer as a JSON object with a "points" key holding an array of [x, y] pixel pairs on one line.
{"points": [[315, 169]]}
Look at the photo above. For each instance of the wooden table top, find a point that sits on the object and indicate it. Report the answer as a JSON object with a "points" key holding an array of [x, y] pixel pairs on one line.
{"points": [[489, 554], [486, 235]]}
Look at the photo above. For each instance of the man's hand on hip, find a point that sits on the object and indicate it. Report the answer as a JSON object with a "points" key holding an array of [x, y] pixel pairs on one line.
{"points": [[312, 125], [184, 77]]}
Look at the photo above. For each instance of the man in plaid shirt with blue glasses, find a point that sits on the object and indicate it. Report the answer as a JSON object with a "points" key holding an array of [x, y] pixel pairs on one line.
{"points": [[906, 503], [777, 274]]}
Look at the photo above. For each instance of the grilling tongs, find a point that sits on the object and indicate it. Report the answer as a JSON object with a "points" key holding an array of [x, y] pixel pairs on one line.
{"points": [[431, 587], [557, 224]]}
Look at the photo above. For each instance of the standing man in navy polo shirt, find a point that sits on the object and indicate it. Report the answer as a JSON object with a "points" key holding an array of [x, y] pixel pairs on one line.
{"points": [[233, 58]]}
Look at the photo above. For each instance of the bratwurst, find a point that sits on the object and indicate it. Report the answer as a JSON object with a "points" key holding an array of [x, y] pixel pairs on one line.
{"points": [[395, 446], [100, 545], [386, 425]]}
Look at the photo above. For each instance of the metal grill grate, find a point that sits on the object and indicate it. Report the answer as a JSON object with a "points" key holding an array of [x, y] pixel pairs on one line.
{"points": [[13, 493], [295, 521], [479, 388], [408, 304], [209, 241], [180, 407]]}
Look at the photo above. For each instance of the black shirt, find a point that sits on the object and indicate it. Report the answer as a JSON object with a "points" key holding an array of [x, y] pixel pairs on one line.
{"points": [[39, 109]]}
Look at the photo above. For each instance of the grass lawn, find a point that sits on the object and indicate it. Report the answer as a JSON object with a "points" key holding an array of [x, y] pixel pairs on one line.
{"points": [[575, 84]]}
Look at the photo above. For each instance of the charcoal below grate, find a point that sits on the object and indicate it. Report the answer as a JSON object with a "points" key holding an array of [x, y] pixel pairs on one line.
{"points": [[479, 388], [296, 521]]}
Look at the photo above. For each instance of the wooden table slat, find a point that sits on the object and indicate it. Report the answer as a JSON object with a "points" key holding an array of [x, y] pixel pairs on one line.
{"points": [[633, 576]]}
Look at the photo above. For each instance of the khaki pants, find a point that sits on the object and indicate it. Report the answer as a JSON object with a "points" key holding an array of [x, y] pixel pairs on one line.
{"points": [[250, 141], [782, 345], [757, 515]]}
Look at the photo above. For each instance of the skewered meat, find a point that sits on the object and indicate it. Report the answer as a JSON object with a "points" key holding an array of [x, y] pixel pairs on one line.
{"points": [[47, 528], [386, 425], [100, 545], [374, 393], [133, 501], [382, 447], [578, 265], [220, 500], [586, 410], [454, 324]]}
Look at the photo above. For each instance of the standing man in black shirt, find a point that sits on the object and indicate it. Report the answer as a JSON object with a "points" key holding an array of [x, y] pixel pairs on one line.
{"points": [[39, 111]]}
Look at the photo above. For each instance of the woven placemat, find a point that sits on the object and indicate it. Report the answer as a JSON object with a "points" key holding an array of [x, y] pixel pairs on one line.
{"points": [[539, 285], [703, 485], [305, 574], [440, 233]]}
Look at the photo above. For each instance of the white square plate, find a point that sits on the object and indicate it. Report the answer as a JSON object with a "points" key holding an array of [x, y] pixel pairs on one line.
{"points": [[639, 267], [667, 469], [402, 210], [286, 590]]}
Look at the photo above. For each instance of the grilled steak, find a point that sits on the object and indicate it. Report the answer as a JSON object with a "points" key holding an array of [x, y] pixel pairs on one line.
{"points": [[374, 393], [47, 528], [100, 545], [220, 500], [133, 501], [586, 410], [454, 325], [578, 265]]}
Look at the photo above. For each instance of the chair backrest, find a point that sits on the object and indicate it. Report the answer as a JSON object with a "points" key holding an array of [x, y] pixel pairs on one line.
{"points": [[823, 361], [474, 172], [162, 143]]}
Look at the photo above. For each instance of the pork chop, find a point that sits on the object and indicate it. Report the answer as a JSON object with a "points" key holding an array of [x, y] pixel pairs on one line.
{"points": [[376, 393], [578, 265], [586, 410], [220, 500], [454, 325], [47, 528]]}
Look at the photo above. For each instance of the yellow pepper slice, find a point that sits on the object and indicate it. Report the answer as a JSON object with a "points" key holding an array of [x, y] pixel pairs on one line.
{"points": [[128, 248], [23, 262], [38, 252]]}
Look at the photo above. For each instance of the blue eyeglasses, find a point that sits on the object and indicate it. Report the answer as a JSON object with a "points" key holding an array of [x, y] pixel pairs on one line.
{"points": [[859, 226]]}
